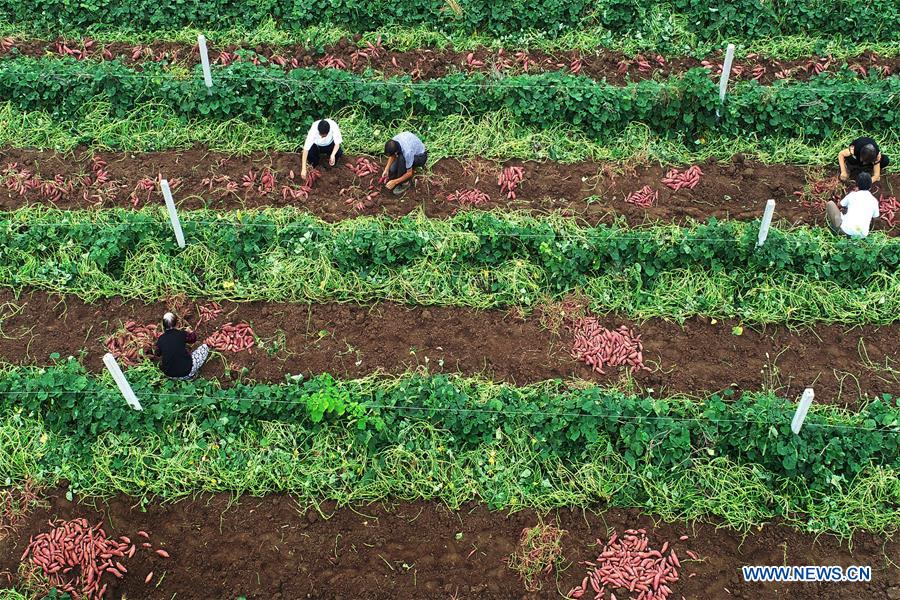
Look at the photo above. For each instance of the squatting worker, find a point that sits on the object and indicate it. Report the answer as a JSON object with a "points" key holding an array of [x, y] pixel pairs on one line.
{"points": [[405, 152], [323, 139], [863, 154], [861, 207], [177, 362]]}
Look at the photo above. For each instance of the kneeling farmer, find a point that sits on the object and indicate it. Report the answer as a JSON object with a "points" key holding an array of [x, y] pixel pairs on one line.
{"points": [[177, 362], [861, 207], [863, 154], [405, 152]]}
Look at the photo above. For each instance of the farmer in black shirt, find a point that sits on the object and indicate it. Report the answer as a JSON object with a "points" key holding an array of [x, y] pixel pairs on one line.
{"points": [[177, 362], [863, 154]]}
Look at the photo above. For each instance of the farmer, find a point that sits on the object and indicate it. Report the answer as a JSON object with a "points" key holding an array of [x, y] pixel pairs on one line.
{"points": [[405, 152], [862, 154], [177, 362], [323, 139], [861, 207]]}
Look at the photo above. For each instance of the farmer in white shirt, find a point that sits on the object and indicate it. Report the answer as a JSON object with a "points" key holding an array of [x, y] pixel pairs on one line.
{"points": [[405, 151], [861, 207], [324, 139]]}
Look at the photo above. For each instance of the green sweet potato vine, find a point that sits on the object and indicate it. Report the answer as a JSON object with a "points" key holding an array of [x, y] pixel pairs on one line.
{"points": [[97, 253], [710, 19], [654, 436], [684, 105]]}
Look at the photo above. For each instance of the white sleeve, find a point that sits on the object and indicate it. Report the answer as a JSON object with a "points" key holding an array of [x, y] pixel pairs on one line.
{"points": [[876, 213], [338, 138], [845, 202], [310, 137]]}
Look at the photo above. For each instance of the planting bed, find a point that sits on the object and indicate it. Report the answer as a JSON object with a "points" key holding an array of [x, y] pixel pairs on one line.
{"points": [[427, 63], [350, 341], [592, 192], [272, 548]]}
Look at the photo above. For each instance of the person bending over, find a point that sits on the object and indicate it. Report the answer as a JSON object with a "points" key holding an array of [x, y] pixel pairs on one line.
{"points": [[405, 153], [863, 154], [323, 139], [177, 362], [861, 207]]}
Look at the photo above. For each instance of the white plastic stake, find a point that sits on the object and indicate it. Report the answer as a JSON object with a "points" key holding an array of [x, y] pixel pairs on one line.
{"points": [[726, 72], [802, 409], [204, 61], [113, 367], [173, 214], [766, 221]]}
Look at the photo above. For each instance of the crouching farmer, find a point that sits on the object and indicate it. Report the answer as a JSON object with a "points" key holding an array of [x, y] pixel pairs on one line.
{"points": [[862, 155], [405, 152], [323, 140], [861, 207], [177, 362]]}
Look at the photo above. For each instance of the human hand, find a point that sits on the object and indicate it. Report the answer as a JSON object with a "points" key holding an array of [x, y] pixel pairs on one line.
{"points": [[390, 185], [331, 161], [303, 172], [843, 177]]}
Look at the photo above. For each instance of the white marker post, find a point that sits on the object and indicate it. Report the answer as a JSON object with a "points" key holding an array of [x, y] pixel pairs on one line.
{"points": [[766, 221], [173, 214], [802, 409], [204, 61], [113, 367], [726, 74]]}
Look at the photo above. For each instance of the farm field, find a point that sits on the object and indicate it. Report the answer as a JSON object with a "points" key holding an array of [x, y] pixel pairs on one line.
{"points": [[571, 360]]}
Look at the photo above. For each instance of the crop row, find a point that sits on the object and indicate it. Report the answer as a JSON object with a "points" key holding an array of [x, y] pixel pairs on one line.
{"points": [[286, 101], [504, 473], [710, 20], [105, 243], [654, 437]]}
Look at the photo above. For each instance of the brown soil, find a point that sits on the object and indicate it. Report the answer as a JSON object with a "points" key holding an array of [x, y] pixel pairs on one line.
{"points": [[353, 341], [429, 63], [270, 548], [589, 191]]}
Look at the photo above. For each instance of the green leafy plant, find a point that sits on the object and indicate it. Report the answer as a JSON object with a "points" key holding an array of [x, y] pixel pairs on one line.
{"points": [[682, 105], [711, 20], [473, 259], [654, 436]]}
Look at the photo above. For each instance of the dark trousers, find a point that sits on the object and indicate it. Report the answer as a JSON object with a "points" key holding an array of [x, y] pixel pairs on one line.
{"points": [[398, 167], [319, 153], [854, 166]]}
